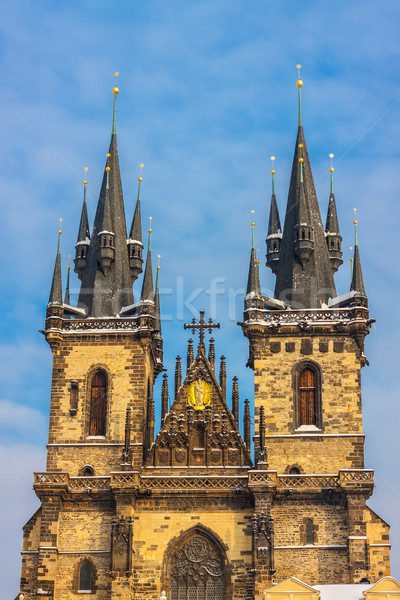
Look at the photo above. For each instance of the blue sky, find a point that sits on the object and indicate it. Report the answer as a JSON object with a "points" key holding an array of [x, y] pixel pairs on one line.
{"points": [[207, 95]]}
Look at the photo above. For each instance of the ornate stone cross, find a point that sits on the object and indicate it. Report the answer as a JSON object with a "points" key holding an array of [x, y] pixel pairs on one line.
{"points": [[202, 326]]}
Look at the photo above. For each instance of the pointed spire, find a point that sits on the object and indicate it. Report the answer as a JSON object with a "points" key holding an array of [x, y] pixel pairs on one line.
{"points": [[178, 375], [127, 438], [274, 224], [164, 397], [190, 356], [56, 285], [299, 84], [304, 277], [357, 282], [274, 236], [247, 424], [147, 287], [67, 299], [106, 284], [332, 233], [253, 280], [157, 299], [83, 240], [262, 455], [235, 399], [136, 227], [83, 232], [211, 353], [115, 92], [222, 377]]}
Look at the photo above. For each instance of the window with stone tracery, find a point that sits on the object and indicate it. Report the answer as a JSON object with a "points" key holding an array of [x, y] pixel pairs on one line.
{"points": [[197, 571]]}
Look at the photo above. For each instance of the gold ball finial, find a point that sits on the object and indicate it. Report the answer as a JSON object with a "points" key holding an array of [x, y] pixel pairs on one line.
{"points": [[355, 222], [351, 260], [68, 268], [158, 266], [272, 161], [115, 88], [272, 171], [150, 229], [301, 159], [108, 155], [140, 178], [59, 232], [331, 169], [300, 145], [84, 177], [299, 82], [108, 169]]}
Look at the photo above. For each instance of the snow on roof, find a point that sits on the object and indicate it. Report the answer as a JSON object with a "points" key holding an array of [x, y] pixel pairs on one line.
{"points": [[352, 591]]}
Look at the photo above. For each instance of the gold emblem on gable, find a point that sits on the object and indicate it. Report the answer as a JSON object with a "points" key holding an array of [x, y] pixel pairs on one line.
{"points": [[199, 394]]}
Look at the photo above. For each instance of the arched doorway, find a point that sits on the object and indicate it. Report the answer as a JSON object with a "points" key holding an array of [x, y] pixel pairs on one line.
{"points": [[197, 570]]}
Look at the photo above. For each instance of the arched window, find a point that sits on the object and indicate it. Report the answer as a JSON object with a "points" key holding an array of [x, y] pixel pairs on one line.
{"points": [[197, 571], [307, 397], [88, 472], [85, 577], [294, 471], [98, 404], [309, 532]]}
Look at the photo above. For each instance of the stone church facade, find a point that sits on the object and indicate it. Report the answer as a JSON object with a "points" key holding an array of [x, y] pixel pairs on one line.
{"points": [[127, 514]]}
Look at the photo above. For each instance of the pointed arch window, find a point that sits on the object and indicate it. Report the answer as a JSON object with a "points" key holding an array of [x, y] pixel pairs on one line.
{"points": [[85, 577], [307, 396], [98, 404], [197, 571]]}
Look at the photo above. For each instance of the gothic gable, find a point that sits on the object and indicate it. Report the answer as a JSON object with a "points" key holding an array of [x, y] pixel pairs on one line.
{"points": [[199, 430]]}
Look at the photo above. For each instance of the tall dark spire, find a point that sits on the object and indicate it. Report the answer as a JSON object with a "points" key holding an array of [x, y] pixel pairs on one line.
{"points": [[222, 376], [135, 246], [164, 397], [147, 286], [55, 298], [246, 424], [274, 236], [178, 376], [105, 293], [235, 399], [304, 277], [357, 281], [332, 233], [253, 280]]}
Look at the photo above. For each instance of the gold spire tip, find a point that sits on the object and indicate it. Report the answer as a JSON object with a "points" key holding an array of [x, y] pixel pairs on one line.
{"points": [[140, 178], [108, 168], [301, 159], [300, 145], [108, 155], [115, 88], [59, 232], [253, 224], [299, 82]]}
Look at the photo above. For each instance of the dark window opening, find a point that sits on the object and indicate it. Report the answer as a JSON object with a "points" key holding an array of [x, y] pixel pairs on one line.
{"points": [[294, 471], [88, 472], [98, 404], [307, 395], [309, 532], [85, 577]]}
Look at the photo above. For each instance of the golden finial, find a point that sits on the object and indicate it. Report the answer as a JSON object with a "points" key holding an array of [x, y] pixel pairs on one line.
{"points": [[301, 159], [108, 162], [272, 162], [150, 229], [69, 267], [355, 216], [158, 266], [59, 231], [84, 177], [299, 82], [300, 145], [140, 178], [108, 168], [252, 223], [331, 156], [115, 89]]}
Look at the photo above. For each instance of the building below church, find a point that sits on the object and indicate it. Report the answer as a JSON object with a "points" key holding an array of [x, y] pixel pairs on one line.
{"points": [[128, 514]]}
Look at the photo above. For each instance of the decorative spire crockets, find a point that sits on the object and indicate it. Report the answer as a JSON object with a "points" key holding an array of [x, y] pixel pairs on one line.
{"points": [[274, 236], [304, 276], [357, 281], [106, 235], [332, 233]]}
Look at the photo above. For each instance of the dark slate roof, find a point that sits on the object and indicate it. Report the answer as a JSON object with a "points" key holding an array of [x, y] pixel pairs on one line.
{"points": [[147, 286], [83, 232], [313, 285], [104, 295], [332, 222], [56, 285], [357, 282], [253, 280], [274, 224], [136, 227]]}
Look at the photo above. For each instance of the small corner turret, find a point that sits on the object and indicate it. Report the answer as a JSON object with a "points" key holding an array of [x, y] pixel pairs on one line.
{"points": [[274, 237], [83, 240], [134, 242], [332, 233], [105, 251]]}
